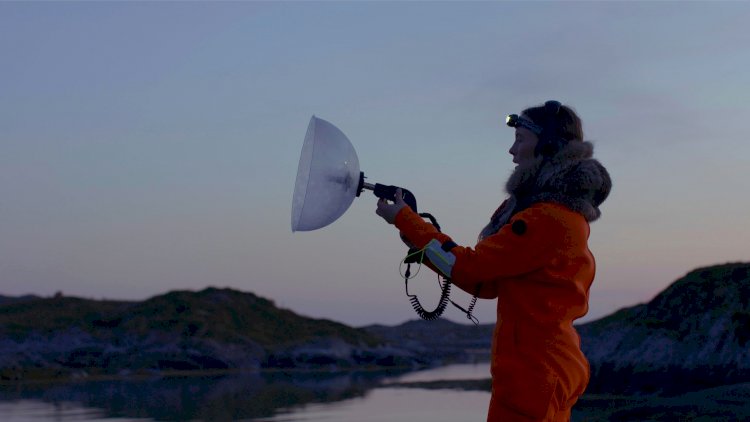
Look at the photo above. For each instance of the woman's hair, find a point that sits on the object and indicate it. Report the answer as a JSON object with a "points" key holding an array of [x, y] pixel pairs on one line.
{"points": [[567, 124]]}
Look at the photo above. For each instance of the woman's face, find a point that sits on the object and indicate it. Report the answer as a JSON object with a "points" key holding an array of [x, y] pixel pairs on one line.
{"points": [[523, 148]]}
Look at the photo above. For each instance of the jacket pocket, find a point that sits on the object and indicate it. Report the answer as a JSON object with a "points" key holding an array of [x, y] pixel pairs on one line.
{"points": [[503, 345], [526, 388]]}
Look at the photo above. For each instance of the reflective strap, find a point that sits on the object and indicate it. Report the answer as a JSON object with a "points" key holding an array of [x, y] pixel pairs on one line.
{"points": [[440, 258]]}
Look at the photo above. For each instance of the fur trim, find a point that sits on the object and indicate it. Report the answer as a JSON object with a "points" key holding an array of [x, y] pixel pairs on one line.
{"points": [[571, 178]]}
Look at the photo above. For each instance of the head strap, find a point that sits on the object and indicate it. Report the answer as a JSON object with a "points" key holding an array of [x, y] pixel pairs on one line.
{"points": [[550, 142], [514, 120]]}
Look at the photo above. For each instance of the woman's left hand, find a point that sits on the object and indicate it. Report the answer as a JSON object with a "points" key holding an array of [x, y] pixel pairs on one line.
{"points": [[389, 210]]}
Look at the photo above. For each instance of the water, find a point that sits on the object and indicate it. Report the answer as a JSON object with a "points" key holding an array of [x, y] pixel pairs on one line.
{"points": [[392, 404], [269, 397], [331, 397]]}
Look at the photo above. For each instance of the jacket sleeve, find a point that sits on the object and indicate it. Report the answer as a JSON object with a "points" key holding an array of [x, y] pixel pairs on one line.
{"points": [[523, 245]]}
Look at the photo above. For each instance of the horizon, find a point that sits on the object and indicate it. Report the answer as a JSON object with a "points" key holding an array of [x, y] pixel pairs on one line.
{"points": [[151, 147]]}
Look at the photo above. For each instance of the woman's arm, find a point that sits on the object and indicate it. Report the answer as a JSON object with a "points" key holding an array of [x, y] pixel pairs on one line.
{"points": [[524, 245]]}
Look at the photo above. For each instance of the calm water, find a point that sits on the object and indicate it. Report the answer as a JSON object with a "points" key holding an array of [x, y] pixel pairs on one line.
{"points": [[269, 397], [326, 397]]}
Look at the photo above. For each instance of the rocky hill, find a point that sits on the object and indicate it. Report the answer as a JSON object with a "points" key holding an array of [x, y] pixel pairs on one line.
{"points": [[213, 329], [694, 333]]}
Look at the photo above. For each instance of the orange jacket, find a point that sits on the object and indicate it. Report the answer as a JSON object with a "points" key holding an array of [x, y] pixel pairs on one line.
{"points": [[539, 267]]}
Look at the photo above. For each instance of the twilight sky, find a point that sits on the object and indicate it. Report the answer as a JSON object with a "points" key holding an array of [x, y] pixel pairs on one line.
{"points": [[148, 147]]}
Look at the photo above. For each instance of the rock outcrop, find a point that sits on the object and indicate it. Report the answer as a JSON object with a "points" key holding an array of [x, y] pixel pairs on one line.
{"points": [[695, 332]]}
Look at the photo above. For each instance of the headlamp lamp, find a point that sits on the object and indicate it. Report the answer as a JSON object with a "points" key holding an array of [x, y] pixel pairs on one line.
{"points": [[514, 120]]}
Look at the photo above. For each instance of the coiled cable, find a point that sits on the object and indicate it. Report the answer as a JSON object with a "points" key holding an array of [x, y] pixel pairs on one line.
{"points": [[417, 256]]}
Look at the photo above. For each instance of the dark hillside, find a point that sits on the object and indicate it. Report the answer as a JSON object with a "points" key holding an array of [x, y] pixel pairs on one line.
{"points": [[695, 332], [218, 314], [9, 299], [213, 329], [231, 316]]}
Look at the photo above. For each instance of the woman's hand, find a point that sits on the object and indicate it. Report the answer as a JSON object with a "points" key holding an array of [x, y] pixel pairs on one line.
{"points": [[389, 210]]}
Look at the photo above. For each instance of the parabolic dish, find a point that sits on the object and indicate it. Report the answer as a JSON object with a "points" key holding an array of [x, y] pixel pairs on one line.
{"points": [[327, 177]]}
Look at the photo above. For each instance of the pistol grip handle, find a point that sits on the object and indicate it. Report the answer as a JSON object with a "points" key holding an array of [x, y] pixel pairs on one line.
{"points": [[389, 192]]}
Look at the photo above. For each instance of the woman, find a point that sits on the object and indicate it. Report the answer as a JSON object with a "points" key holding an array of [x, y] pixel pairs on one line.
{"points": [[533, 257]]}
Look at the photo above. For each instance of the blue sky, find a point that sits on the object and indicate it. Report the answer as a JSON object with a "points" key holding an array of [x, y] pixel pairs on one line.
{"points": [[148, 147]]}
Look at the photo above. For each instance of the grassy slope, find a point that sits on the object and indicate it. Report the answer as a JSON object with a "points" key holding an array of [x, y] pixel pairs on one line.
{"points": [[223, 315]]}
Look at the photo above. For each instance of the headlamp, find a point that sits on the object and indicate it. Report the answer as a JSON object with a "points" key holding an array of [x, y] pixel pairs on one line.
{"points": [[514, 120]]}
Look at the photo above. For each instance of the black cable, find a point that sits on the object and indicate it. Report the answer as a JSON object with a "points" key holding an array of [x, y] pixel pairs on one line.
{"points": [[419, 309], [445, 288], [468, 311], [472, 304], [433, 220]]}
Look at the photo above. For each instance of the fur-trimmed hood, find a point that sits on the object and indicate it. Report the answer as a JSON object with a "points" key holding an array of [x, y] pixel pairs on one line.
{"points": [[571, 178]]}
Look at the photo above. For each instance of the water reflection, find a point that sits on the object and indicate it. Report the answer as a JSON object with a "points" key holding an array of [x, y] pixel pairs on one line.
{"points": [[210, 398], [397, 404]]}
